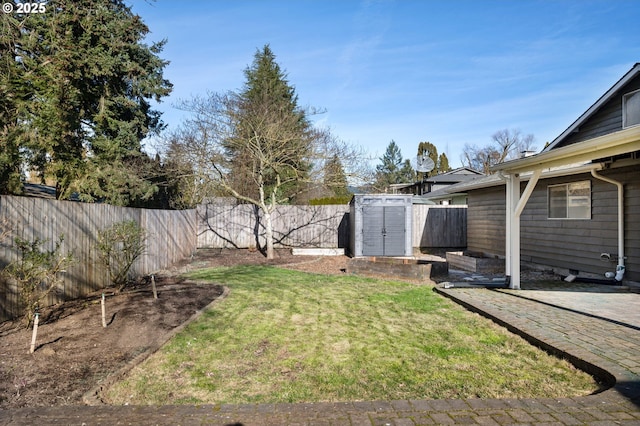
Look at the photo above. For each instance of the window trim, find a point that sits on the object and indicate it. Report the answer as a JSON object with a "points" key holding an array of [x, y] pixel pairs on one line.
{"points": [[567, 202], [624, 109]]}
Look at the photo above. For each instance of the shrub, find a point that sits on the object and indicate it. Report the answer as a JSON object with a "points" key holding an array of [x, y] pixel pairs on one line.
{"points": [[36, 272], [330, 200], [119, 246]]}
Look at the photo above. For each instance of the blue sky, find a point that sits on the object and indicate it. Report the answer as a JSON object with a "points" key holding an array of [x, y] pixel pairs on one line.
{"points": [[449, 72]]}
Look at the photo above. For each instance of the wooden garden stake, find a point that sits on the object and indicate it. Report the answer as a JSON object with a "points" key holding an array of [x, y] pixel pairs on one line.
{"points": [[35, 333], [104, 316], [153, 286]]}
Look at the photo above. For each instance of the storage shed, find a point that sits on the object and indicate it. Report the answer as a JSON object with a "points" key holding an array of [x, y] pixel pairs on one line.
{"points": [[381, 225]]}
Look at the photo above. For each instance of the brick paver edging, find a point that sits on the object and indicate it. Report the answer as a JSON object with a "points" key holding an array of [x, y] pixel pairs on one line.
{"points": [[592, 410]]}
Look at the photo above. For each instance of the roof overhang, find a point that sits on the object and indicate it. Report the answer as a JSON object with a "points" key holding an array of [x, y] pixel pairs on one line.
{"points": [[610, 145]]}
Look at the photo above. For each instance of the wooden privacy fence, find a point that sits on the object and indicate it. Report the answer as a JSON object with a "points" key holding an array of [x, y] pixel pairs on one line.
{"points": [[241, 226], [439, 226], [174, 235], [171, 237]]}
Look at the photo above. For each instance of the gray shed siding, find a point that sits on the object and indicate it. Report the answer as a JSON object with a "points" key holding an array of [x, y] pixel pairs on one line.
{"points": [[563, 243], [607, 120]]}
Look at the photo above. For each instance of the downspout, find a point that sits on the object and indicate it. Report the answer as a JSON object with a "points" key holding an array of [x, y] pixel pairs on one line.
{"points": [[620, 268]]}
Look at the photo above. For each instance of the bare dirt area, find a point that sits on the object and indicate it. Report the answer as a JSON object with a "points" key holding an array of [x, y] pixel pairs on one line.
{"points": [[75, 353]]}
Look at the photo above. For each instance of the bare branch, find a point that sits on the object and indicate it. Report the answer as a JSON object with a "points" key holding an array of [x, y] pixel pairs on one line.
{"points": [[507, 144]]}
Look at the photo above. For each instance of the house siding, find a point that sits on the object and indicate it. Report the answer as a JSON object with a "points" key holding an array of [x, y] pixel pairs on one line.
{"points": [[632, 221], [607, 120], [486, 218], [563, 243]]}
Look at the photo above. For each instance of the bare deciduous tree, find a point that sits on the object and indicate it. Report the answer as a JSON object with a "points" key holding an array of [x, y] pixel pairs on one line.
{"points": [[271, 146], [506, 144]]}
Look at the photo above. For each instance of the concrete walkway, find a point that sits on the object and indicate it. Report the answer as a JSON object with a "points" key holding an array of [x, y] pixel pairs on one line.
{"points": [[596, 327]]}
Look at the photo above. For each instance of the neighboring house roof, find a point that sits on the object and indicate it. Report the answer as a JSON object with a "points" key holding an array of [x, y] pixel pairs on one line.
{"points": [[432, 184], [43, 191], [477, 179], [39, 191], [460, 174], [480, 182]]}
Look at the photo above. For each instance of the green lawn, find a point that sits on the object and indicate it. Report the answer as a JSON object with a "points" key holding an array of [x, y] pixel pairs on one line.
{"points": [[287, 336]]}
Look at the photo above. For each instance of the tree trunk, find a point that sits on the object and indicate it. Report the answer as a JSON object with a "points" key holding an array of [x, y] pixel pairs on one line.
{"points": [[268, 231]]}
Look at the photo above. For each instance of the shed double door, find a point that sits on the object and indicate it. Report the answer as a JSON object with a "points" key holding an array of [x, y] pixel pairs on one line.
{"points": [[383, 231]]}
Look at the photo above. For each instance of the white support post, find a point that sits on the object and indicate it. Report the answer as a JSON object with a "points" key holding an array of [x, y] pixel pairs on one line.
{"points": [[515, 205]]}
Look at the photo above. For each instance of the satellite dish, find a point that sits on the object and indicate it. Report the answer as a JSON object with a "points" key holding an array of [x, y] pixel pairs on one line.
{"points": [[425, 163]]}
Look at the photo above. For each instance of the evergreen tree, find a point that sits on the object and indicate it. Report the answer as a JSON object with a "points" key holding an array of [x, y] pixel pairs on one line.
{"points": [[335, 178], [407, 174], [11, 95], [266, 138], [443, 164], [266, 86], [430, 150], [88, 81], [440, 162], [393, 169]]}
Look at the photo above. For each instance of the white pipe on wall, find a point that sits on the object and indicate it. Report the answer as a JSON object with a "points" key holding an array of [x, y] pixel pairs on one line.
{"points": [[620, 268]]}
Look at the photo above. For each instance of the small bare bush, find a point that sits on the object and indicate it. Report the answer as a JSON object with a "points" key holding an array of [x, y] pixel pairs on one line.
{"points": [[36, 272], [119, 246]]}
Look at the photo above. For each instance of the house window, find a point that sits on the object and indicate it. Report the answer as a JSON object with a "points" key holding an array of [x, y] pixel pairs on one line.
{"points": [[570, 200], [631, 109]]}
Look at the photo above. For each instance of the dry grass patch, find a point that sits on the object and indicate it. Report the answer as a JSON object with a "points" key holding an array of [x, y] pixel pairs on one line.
{"points": [[288, 336]]}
